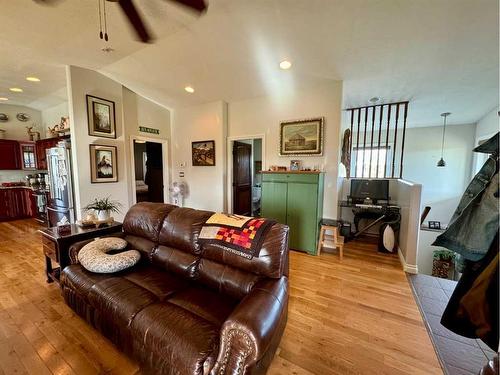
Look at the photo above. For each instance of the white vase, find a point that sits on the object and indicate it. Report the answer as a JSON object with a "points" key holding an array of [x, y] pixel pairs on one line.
{"points": [[103, 215]]}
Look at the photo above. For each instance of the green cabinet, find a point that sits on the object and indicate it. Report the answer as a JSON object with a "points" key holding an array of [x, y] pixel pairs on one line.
{"points": [[295, 199]]}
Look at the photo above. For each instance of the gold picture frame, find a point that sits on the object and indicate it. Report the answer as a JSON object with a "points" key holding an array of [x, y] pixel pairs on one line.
{"points": [[302, 137], [103, 164]]}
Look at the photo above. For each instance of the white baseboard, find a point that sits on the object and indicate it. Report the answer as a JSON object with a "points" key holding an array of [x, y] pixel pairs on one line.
{"points": [[408, 268]]}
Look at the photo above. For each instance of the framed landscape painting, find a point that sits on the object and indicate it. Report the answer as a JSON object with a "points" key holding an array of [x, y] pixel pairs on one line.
{"points": [[103, 164], [302, 137], [203, 153], [101, 117]]}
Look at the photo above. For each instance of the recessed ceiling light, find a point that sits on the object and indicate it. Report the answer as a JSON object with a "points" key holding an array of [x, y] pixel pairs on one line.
{"points": [[3, 99], [285, 64], [189, 89], [374, 100], [33, 79], [16, 89]]}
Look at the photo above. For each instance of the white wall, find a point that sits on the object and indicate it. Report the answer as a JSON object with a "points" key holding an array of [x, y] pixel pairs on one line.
{"points": [[131, 111], [138, 111], [488, 125], [204, 122], [15, 129], [442, 187], [407, 195], [80, 83], [52, 116], [262, 115]]}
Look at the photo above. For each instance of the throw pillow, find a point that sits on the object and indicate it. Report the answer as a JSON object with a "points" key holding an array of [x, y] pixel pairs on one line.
{"points": [[93, 255]]}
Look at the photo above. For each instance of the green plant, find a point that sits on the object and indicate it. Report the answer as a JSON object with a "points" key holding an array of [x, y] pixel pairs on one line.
{"points": [[445, 255], [103, 204]]}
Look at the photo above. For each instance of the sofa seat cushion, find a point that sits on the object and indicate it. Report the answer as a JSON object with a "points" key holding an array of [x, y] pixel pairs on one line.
{"points": [[80, 280], [119, 299], [185, 342], [162, 284], [205, 303]]}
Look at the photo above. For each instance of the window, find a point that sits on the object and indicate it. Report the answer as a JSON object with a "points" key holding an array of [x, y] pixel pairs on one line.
{"points": [[370, 162]]}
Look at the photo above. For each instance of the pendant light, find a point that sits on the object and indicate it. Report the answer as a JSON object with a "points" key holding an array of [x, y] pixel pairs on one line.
{"points": [[441, 162]]}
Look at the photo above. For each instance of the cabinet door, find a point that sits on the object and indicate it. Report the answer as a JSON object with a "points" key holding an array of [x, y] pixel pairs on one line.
{"points": [[9, 155], [3, 205], [273, 201], [28, 155], [41, 147], [302, 202]]}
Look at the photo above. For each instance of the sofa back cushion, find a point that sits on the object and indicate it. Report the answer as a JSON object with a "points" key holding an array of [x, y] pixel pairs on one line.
{"points": [[177, 261], [179, 250], [145, 219], [181, 228], [272, 259]]}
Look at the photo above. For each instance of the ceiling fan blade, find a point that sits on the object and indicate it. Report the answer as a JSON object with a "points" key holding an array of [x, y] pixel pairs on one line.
{"points": [[47, 2], [135, 19], [198, 5]]}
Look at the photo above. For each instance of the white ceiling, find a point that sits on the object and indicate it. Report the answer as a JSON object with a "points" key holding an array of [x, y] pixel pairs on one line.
{"points": [[442, 55]]}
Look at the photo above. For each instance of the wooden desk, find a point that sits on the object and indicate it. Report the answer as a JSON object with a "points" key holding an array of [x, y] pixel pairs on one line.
{"points": [[56, 245]]}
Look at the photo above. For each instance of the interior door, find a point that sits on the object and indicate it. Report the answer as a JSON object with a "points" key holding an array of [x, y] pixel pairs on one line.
{"points": [[154, 172], [242, 178], [301, 216], [273, 201]]}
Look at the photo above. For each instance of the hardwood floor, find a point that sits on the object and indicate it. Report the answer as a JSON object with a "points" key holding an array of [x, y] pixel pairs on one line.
{"points": [[357, 316]]}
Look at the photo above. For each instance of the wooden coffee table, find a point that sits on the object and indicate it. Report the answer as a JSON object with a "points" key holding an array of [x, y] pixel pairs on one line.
{"points": [[56, 245]]}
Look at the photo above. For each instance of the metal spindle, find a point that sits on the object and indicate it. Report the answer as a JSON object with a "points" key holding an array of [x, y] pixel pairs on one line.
{"points": [[350, 145], [364, 144], [395, 140], [403, 140], [357, 142], [387, 140], [371, 143], [379, 134]]}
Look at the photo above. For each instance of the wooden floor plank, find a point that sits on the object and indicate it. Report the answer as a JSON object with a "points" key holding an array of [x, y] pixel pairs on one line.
{"points": [[357, 316]]}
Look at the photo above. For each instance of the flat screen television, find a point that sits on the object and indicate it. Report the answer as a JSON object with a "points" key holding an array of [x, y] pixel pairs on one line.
{"points": [[366, 188]]}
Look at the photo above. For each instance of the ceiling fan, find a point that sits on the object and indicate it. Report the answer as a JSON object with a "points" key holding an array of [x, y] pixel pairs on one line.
{"points": [[128, 7]]}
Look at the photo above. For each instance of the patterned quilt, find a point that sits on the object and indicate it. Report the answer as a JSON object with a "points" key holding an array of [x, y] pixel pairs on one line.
{"points": [[240, 235]]}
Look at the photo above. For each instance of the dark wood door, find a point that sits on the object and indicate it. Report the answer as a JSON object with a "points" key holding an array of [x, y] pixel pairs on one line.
{"points": [[154, 172], [242, 178]]}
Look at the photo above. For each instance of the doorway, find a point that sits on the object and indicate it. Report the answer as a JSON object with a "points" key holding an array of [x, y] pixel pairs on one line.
{"points": [[246, 176], [149, 171]]}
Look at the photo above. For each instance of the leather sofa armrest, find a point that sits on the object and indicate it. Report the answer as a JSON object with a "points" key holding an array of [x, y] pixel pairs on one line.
{"points": [[77, 246], [248, 332]]}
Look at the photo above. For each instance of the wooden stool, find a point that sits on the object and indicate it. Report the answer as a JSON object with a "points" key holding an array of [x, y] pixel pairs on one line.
{"points": [[338, 240]]}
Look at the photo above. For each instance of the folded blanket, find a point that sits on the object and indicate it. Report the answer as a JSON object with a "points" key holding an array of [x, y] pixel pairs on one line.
{"points": [[240, 235]]}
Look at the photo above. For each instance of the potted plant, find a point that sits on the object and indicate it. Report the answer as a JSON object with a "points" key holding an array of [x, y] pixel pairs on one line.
{"points": [[442, 263], [103, 207]]}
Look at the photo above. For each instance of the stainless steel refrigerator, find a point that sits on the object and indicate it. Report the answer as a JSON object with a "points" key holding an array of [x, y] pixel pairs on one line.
{"points": [[60, 202]]}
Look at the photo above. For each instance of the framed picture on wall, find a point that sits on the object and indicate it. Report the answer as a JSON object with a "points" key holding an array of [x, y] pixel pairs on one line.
{"points": [[101, 117], [103, 164], [203, 153], [302, 137]]}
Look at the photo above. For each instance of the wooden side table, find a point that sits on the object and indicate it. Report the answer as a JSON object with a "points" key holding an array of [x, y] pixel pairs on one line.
{"points": [[338, 240], [56, 245]]}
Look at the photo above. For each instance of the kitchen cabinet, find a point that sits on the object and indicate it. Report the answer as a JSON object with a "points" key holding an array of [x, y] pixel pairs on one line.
{"points": [[9, 154], [16, 203], [28, 155], [295, 199], [41, 146]]}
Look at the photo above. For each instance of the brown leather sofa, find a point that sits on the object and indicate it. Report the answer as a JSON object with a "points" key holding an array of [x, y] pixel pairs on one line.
{"points": [[184, 309]]}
